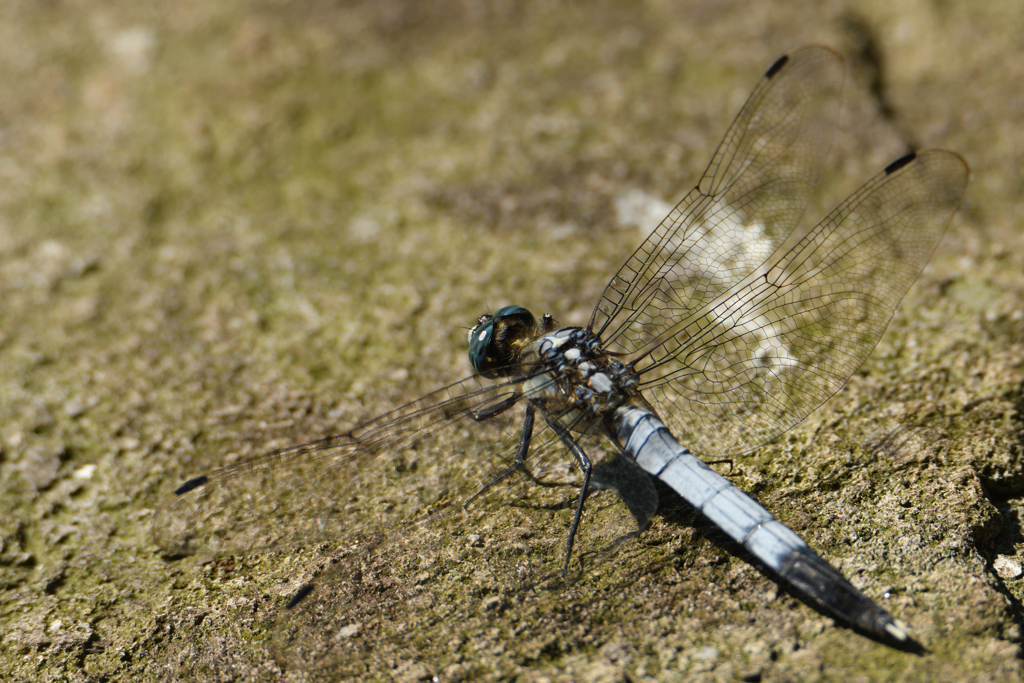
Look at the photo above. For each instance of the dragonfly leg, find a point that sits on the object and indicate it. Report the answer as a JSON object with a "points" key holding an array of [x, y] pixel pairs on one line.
{"points": [[587, 468], [724, 461], [518, 465], [496, 409]]}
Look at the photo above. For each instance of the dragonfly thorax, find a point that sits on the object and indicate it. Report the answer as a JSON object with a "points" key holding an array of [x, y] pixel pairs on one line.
{"points": [[578, 370], [568, 365]]}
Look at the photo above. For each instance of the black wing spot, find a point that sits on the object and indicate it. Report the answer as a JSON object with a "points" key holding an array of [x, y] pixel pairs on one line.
{"points": [[300, 595], [191, 485], [900, 163], [774, 68]]}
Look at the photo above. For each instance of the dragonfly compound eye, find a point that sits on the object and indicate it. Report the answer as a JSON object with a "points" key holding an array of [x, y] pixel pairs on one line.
{"points": [[496, 341]]}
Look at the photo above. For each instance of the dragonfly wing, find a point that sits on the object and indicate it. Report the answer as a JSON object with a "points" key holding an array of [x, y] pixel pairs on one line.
{"points": [[421, 461], [404, 463], [737, 371], [747, 203]]}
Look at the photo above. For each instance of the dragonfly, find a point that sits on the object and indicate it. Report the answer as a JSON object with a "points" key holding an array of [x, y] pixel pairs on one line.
{"points": [[723, 330]]}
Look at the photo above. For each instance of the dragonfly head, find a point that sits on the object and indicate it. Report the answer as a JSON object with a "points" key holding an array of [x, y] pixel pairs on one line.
{"points": [[496, 340]]}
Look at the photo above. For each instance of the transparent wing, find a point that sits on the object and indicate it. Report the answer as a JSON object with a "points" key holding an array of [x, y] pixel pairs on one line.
{"points": [[734, 372], [747, 203], [421, 460]]}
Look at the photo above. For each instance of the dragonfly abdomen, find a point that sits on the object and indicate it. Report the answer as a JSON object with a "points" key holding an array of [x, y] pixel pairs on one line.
{"points": [[648, 441]]}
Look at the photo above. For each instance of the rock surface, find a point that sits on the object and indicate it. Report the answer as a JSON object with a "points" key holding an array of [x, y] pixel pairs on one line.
{"points": [[230, 226]]}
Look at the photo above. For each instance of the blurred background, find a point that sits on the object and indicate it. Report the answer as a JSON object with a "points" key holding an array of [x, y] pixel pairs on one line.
{"points": [[230, 226]]}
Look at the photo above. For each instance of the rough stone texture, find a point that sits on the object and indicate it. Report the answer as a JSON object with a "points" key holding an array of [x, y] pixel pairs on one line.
{"points": [[226, 226]]}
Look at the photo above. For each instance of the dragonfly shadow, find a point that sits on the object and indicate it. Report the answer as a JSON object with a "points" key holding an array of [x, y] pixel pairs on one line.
{"points": [[433, 582], [1005, 543]]}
